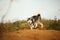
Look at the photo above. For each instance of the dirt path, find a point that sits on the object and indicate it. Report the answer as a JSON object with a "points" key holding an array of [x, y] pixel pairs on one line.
{"points": [[32, 35]]}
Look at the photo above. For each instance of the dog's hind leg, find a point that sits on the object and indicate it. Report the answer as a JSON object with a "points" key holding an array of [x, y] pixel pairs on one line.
{"points": [[41, 25], [35, 24]]}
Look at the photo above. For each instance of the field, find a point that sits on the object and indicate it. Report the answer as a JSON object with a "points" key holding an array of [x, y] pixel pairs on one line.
{"points": [[34, 34], [20, 30]]}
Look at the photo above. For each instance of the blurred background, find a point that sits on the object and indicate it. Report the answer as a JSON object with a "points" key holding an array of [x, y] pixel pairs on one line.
{"points": [[14, 13]]}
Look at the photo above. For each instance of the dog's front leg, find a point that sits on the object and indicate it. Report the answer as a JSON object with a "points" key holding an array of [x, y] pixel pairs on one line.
{"points": [[31, 27]]}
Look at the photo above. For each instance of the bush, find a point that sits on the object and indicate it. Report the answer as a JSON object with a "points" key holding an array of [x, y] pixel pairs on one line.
{"points": [[54, 26], [17, 25]]}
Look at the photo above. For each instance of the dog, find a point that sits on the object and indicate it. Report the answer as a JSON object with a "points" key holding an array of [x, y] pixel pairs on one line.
{"points": [[34, 21]]}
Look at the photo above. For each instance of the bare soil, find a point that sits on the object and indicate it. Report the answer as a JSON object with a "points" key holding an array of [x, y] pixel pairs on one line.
{"points": [[28, 34]]}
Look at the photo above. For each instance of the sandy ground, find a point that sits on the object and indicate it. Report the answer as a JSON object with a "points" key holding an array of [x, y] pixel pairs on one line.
{"points": [[32, 35]]}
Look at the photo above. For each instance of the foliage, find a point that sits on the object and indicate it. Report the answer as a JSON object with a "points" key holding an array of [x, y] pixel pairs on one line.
{"points": [[54, 25], [17, 25]]}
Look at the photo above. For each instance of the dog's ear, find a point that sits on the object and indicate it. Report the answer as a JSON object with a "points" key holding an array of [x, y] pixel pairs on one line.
{"points": [[38, 15]]}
